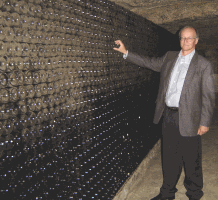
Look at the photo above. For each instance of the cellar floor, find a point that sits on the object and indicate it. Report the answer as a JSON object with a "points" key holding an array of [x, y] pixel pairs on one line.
{"points": [[150, 182]]}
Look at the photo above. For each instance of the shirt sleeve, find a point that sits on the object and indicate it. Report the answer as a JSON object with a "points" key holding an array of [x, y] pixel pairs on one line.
{"points": [[125, 55]]}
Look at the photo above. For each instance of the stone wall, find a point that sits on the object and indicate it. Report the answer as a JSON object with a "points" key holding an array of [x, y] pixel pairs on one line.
{"points": [[212, 55]]}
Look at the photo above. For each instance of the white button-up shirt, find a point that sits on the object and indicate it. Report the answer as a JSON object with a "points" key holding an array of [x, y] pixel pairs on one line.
{"points": [[177, 79]]}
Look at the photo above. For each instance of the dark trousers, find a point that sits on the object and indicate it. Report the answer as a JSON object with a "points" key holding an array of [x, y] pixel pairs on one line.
{"points": [[179, 151]]}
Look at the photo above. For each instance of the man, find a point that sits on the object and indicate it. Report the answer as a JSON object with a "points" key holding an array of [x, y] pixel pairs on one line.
{"points": [[186, 99]]}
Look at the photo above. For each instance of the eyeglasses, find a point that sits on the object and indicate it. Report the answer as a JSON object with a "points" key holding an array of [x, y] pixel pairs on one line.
{"points": [[190, 39]]}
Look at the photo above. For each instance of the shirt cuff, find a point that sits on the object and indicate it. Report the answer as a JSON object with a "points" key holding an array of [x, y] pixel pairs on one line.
{"points": [[125, 55]]}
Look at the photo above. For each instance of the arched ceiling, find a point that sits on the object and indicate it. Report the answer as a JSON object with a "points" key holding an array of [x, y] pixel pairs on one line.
{"points": [[174, 14]]}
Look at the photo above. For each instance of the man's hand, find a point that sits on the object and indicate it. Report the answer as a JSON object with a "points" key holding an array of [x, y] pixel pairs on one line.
{"points": [[202, 130], [121, 48]]}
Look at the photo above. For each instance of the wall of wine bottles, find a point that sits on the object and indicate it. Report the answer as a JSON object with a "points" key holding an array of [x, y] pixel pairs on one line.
{"points": [[75, 118]]}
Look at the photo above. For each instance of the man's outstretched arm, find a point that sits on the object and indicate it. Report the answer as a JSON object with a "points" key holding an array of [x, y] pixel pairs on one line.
{"points": [[154, 64]]}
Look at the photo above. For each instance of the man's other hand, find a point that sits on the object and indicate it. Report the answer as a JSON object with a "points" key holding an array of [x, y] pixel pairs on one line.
{"points": [[121, 47], [202, 130]]}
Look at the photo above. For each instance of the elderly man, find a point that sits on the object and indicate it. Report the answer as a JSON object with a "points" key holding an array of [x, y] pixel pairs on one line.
{"points": [[186, 99]]}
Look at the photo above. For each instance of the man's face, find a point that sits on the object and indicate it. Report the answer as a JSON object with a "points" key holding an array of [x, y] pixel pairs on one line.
{"points": [[188, 45]]}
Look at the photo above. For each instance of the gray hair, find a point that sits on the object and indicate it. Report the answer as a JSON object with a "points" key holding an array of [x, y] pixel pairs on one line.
{"points": [[197, 34]]}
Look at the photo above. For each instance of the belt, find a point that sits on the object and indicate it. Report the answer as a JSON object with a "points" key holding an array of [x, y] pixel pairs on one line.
{"points": [[173, 108]]}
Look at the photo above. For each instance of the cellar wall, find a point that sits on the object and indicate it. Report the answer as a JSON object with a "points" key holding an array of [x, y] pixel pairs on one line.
{"points": [[76, 119]]}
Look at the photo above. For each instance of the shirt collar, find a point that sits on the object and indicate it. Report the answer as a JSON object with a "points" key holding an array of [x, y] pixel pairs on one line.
{"points": [[186, 59]]}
